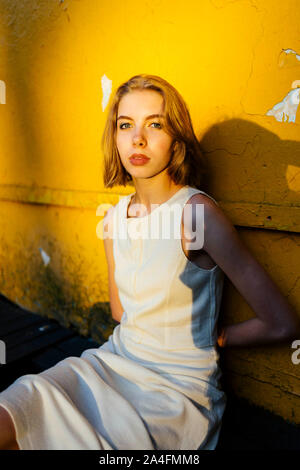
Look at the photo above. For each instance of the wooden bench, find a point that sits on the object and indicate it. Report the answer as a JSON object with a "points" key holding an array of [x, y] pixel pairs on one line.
{"points": [[34, 343]]}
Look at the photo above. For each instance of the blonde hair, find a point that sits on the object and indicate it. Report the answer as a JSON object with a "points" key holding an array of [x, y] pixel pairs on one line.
{"points": [[186, 165]]}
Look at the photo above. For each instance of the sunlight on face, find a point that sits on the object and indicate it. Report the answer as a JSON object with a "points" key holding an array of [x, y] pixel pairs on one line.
{"points": [[139, 131]]}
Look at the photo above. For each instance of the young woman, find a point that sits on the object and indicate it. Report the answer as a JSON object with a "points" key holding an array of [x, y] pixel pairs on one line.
{"points": [[155, 383]]}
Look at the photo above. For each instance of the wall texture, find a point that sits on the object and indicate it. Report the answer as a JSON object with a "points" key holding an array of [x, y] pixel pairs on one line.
{"points": [[237, 65]]}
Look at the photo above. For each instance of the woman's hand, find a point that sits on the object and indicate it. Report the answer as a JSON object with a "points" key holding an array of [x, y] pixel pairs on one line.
{"points": [[221, 341]]}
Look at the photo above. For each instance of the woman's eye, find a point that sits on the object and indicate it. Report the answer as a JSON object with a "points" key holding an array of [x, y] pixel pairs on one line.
{"points": [[125, 124]]}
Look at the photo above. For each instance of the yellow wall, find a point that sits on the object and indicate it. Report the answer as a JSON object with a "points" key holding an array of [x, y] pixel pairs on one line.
{"points": [[232, 61]]}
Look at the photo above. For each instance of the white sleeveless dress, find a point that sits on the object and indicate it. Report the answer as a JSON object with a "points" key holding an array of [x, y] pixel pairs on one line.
{"points": [[155, 383]]}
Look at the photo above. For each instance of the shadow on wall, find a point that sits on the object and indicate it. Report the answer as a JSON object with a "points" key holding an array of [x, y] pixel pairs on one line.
{"points": [[246, 162]]}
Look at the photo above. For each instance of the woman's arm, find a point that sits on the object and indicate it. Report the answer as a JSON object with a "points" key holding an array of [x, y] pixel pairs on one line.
{"points": [[114, 300], [275, 319]]}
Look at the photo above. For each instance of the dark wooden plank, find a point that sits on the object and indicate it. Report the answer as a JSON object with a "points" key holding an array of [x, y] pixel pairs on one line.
{"points": [[27, 334], [75, 346], [48, 358], [10, 315], [10, 309], [36, 344], [18, 324]]}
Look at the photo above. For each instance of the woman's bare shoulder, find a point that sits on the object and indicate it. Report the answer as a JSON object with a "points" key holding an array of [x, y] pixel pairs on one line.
{"points": [[214, 216], [220, 238], [201, 198]]}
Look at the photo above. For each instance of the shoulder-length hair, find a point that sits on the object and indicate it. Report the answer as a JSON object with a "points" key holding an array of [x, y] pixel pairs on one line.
{"points": [[187, 163]]}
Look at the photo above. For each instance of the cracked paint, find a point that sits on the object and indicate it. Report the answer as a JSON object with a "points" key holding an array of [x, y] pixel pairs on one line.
{"points": [[2, 92], [45, 257], [106, 90], [293, 177], [287, 108]]}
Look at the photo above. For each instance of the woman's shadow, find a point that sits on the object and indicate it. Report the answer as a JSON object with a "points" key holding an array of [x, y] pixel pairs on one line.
{"points": [[248, 163]]}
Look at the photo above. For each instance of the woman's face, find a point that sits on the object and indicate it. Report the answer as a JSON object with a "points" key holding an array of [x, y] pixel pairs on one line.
{"points": [[139, 132]]}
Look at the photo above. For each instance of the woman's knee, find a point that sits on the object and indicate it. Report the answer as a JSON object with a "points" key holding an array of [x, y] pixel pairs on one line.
{"points": [[7, 431]]}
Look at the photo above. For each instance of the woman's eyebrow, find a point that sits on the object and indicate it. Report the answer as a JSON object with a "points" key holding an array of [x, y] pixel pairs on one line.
{"points": [[148, 117]]}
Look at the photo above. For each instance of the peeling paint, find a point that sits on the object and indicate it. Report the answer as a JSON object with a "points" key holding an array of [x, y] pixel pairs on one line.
{"points": [[106, 90], [290, 51], [2, 92], [287, 108], [296, 84], [45, 257], [288, 58]]}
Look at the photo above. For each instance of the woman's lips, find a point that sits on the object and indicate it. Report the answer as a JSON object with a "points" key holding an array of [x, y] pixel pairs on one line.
{"points": [[139, 160]]}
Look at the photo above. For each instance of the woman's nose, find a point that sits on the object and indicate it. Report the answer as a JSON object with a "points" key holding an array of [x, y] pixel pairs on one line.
{"points": [[139, 138]]}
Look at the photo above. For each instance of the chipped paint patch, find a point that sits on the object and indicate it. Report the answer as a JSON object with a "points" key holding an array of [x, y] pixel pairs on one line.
{"points": [[45, 257], [290, 51], [106, 90], [296, 84], [287, 108], [2, 92], [288, 58]]}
